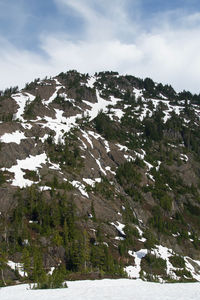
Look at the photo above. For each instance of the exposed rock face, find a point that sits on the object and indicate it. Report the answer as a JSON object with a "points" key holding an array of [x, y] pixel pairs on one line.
{"points": [[125, 154]]}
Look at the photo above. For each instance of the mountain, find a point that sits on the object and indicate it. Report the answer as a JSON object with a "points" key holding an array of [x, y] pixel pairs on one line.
{"points": [[99, 175]]}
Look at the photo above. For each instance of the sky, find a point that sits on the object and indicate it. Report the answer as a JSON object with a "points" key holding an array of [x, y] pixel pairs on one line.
{"points": [[145, 38]]}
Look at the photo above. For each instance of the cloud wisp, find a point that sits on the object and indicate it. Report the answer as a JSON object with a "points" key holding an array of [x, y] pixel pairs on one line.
{"points": [[110, 39]]}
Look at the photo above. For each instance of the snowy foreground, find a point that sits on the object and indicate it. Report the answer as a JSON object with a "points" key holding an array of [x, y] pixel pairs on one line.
{"points": [[106, 289]]}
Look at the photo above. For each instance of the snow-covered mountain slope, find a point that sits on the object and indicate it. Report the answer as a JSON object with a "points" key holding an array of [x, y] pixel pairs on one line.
{"points": [[106, 166]]}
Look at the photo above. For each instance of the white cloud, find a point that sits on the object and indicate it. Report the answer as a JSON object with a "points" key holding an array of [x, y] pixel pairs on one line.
{"points": [[20, 66], [111, 41]]}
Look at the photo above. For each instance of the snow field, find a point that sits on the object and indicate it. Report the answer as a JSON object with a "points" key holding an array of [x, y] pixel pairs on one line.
{"points": [[118, 289]]}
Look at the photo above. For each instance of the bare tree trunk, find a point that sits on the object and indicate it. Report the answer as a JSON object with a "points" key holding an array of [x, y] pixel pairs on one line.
{"points": [[3, 277]]}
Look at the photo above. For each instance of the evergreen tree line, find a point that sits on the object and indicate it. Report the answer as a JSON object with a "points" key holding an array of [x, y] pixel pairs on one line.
{"points": [[54, 220]]}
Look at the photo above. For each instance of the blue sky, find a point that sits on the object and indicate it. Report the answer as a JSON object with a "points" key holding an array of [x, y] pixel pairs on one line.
{"points": [[146, 38]]}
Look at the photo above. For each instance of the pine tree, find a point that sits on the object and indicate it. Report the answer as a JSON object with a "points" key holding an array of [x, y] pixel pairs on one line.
{"points": [[65, 234], [86, 250], [93, 211], [3, 261], [58, 277], [26, 260], [38, 270]]}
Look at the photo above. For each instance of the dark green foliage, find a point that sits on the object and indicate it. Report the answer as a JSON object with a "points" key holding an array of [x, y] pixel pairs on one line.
{"points": [[74, 82], [149, 86], [67, 154], [72, 78], [55, 184], [193, 209], [102, 260], [66, 104], [32, 85], [192, 213], [9, 91], [55, 220], [30, 108], [6, 117], [2, 178], [177, 261], [26, 260], [152, 264], [139, 162], [131, 232], [128, 240], [104, 188], [129, 99], [150, 239], [93, 211], [161, 223], [166, 90], [166, 202], [49, 140], [183, 273], [54, 281], [45, 216], [128, 177], [105, 126], [128, 214], [3, 261], [32, 175], [154, 126], [127, 173]]}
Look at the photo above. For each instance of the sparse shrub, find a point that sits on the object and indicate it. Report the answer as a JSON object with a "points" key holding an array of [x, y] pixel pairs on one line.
{"points": [[152, 264], [183, 273], [177, 261], [166, 202], [150, 239], [2, 178]]}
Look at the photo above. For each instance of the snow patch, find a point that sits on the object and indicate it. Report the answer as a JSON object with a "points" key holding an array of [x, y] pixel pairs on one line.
{"points": [[85, 135], [21, 99], [122, 148], [54, 95], [90, 82], [184, 157], [14, 137], [109, 169], [17, 266], [119, 226], [134, 271], [100, 167], [81, 187], [92, 182], [31, 163], [141, 239]]}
